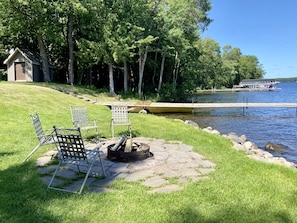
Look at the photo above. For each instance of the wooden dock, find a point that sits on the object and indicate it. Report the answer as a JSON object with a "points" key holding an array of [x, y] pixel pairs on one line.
{"points": [[162, 107]]}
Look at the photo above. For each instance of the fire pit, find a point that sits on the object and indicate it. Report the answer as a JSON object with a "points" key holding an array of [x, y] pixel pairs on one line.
{"points": [[127, 151]]}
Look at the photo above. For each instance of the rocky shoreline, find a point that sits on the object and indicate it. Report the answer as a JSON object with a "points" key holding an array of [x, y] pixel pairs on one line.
{"points": [[250, 148], [239, 143]]}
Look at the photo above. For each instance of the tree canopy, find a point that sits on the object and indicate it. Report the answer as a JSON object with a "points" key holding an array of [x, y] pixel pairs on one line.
{"points": [[138, 46]]}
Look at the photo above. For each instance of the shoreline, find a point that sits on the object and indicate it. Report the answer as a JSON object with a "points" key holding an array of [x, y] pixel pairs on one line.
{"points": [[250, 148], [239, 142]]}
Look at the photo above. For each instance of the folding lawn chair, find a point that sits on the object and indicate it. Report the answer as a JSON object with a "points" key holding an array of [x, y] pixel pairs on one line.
{"points": [[80, 118], [72, 152], [44, 137], [120, 118]]}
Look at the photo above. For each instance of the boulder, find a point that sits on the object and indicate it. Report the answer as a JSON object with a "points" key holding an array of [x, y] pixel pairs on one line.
{"points": [[216, 132], [235, 138], [237, 146], [248, 145], [253, 151], [243, 138], [279, 148], [212, 131], [189, 122]]}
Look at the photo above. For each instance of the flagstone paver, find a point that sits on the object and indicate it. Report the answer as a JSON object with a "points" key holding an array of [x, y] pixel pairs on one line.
{"points": [[170, 160]]}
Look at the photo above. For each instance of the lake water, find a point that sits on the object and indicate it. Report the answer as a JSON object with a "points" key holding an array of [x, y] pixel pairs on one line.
{"points": [[259, 125]]}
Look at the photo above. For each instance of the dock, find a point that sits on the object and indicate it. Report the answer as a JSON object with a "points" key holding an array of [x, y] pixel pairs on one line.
{"points": [[163, 107]]}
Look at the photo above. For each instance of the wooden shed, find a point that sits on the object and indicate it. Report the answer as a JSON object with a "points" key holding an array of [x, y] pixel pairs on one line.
{"points": [[23, 65]]}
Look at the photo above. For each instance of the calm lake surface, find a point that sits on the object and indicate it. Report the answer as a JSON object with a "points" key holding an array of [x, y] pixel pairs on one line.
{"points": [[259, 125]]}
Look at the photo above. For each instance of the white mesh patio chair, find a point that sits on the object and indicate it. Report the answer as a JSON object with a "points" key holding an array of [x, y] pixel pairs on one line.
{"points": [[72, 152], [80, 118], [120, 118], [44, 137]]}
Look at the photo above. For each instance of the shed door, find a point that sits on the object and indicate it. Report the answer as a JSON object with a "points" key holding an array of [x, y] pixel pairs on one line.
{"points": [[19, 68]]}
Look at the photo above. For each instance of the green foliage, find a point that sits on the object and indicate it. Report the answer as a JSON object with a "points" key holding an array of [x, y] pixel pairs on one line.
{"points": [[250, 68], [139, 46], [3, 75]]}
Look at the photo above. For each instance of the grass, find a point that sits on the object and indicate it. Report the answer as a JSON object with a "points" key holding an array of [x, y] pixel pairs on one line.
{"points": [[240, 190]]}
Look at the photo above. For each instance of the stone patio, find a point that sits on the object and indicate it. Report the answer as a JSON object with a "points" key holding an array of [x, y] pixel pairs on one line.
{"points": [[173, 165]]}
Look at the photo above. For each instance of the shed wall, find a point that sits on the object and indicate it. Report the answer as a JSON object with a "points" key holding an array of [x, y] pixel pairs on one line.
{"points": [[11, 75]]}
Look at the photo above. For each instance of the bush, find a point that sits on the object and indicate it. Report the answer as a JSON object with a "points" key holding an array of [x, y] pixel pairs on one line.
{"points": [[3, 75]]}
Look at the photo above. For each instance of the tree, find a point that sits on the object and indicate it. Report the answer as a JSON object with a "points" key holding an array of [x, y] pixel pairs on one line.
{"points": [[230, 65], [33, 19], [182, 22], [209, 62], [156, 42], [68, 13], [89, 38], [250, 68], [144, 13]]}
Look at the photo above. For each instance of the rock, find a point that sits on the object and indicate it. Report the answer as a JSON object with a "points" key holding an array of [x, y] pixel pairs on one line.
{"points": [[237, 146], [249, 145], [243, 138], [253, 151], [212, 131], [189, 122], [233, 137], [279, 148], [216, 132]]}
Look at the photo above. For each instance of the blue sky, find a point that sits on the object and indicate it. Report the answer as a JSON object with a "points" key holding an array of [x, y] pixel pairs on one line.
{"points": [[266, 29]]}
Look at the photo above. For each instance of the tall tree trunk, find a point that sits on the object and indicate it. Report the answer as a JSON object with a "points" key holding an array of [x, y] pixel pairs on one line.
{"points": [[125, 77], [142, 60], [176, 69], [111, 82], [44, 57], [161, 73], [155, 70], [70, 51]]}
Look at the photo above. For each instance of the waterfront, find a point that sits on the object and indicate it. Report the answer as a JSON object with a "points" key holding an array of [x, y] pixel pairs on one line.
{"points": [[260, 125]]}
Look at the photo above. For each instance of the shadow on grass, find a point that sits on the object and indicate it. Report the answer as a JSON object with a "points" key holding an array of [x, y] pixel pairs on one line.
{"points": [[231, 213], [6, 153], [24, 197]]}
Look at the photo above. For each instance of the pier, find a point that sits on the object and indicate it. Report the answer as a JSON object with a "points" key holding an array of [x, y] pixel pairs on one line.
{"points": [[163, 107], [257, 85]]}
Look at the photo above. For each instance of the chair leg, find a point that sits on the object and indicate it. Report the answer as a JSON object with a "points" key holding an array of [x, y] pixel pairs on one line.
{"points": [[53, 177], [31, 153], [60, 189], [112, 130], [102, 167], [130, 131], [86, 177]]}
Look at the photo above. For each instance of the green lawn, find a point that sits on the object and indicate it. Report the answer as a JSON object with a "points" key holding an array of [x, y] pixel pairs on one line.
{"points": [[240, 190]]}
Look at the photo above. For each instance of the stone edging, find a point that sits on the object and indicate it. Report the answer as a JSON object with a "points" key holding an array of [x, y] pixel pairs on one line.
{"points": [[250, 148]]}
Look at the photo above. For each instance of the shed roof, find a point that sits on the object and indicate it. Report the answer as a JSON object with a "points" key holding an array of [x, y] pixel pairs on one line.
{"points": [[30, 56]]}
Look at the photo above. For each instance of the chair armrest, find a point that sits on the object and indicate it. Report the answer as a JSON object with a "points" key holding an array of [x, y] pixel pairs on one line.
{"points": [[76, 124], [48, 131], [98, 146]]}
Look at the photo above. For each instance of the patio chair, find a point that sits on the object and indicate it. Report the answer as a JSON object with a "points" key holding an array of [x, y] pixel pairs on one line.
{"points": [[80, 118], [44, 137], [120, 118], [72, 152]]}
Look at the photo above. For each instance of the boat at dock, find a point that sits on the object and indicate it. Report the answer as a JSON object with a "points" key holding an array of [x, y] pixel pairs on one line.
{"points": [[257, 85]]}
